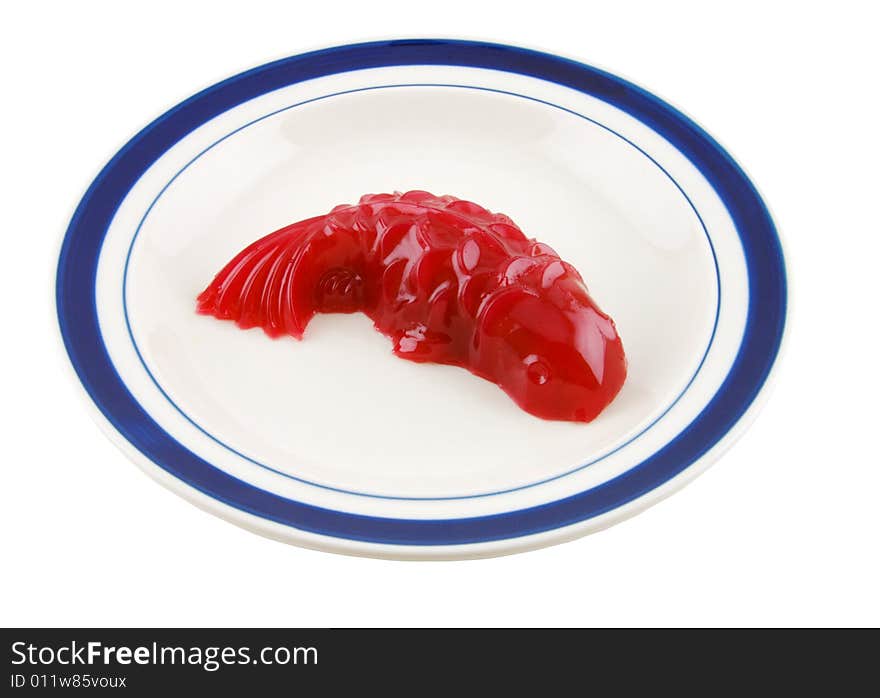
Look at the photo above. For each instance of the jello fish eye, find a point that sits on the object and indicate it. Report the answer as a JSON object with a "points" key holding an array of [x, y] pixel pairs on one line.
{"points": [[449, 282]]}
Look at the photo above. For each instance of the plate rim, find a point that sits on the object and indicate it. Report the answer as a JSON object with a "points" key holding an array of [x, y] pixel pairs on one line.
{"points": [[120, 415]]}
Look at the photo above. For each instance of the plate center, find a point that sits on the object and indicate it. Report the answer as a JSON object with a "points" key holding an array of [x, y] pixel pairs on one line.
{"points": [[337, 409]]}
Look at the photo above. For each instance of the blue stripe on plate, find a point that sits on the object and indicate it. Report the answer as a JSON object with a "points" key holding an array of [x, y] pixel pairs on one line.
{"points": [[77, 314], [401, 498]]}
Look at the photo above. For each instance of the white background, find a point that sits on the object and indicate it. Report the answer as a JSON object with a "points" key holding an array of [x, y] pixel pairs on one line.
{"points": [[782, 531]]}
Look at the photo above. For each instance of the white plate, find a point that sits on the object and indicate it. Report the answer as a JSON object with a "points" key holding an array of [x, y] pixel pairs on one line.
{"points": [[334, 443]]}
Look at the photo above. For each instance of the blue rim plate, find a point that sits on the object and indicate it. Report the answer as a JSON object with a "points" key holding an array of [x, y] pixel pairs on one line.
{"points": [[689, 449]]}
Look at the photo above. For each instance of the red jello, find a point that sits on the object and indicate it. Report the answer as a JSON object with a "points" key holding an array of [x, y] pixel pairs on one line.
{"points": [[449, 282]]}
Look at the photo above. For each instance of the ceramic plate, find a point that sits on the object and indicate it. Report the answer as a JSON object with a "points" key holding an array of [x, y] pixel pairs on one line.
{"points": [[332, 442]]}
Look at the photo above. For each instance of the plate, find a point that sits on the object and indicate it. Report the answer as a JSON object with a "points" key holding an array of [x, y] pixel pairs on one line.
{"points": [[332, 442]]}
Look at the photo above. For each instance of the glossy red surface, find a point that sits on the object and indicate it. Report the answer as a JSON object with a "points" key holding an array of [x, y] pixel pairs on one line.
{"points": [[449, 282]]}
